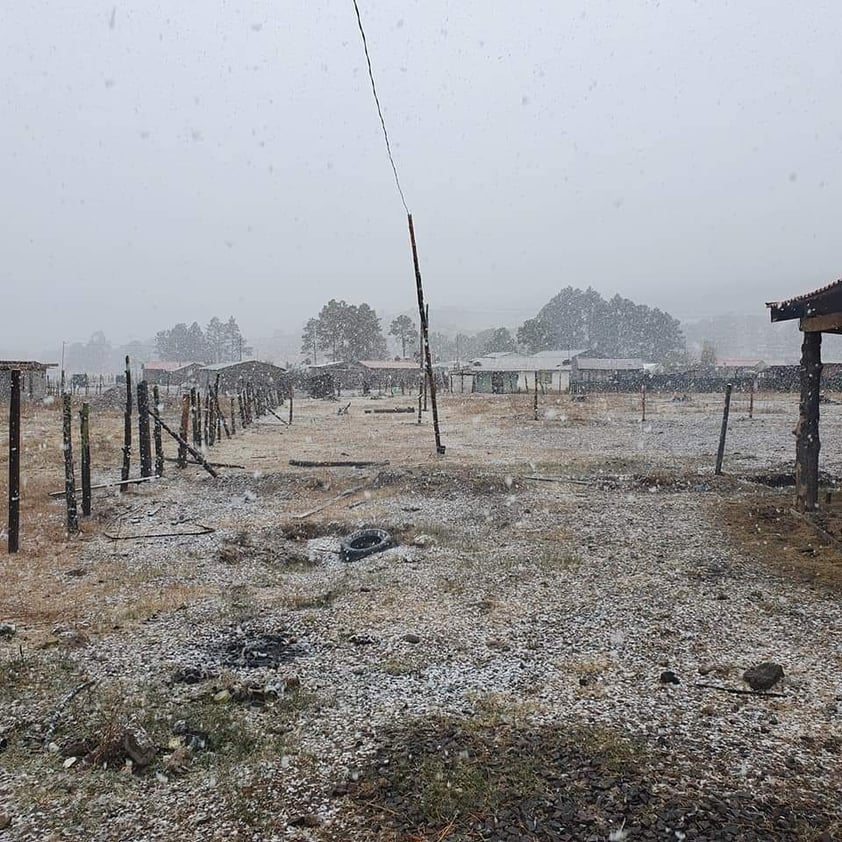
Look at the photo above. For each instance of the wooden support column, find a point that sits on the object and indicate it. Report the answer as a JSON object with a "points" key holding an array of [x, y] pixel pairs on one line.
{"points": [[14, 463], [807, 444]]}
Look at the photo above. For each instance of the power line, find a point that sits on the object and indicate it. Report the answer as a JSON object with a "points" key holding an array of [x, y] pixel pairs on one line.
{"points": [[379, 109]]}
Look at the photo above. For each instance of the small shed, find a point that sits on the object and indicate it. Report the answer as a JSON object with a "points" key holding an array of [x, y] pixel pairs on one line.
{"points": [[33, 380], [233, 377], [586, 370], [385, 374], [817, 312]]}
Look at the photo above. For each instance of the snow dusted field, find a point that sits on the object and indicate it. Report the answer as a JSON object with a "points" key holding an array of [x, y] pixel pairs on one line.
{"points": [[552, 649]]}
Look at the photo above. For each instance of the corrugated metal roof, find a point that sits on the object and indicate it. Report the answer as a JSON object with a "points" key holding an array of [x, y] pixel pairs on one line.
{"points": [[222, 366], [585, 364], [806, 296], [25, 365], [516, 362], [166, 365], [403, 365]]}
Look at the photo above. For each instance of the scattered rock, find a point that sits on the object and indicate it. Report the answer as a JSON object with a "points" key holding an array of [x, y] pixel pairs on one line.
{"points": [[7, 631], [362, 639], [139, 748], [763, 676], [5, 820], [308, 820], [190, 736], [669, 677], [411, 638], [192, 675]]}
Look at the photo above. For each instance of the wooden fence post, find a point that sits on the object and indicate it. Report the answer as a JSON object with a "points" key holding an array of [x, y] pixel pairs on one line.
{"points": [[185, 421], [233, 420], [195, 410], [643, 402], [751, 399], [722, 433], [535, 399], [144, 440], [807, 443], [158, 438], [84, 416], [291, 391], [14, 463], [69, 478], [127, 429]]}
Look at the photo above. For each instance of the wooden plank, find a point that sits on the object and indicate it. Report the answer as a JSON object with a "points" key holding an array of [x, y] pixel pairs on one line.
{"points": [[830, 321]]}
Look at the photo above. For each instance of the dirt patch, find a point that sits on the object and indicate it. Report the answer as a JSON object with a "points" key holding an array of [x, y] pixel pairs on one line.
{"points": [[451, 778], [769, 528]]}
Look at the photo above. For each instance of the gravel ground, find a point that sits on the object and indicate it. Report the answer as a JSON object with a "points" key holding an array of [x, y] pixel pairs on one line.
{"points": [[546, 577]]}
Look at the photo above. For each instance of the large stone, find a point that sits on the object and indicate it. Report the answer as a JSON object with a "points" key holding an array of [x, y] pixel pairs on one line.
{"points": [[763, 676]]}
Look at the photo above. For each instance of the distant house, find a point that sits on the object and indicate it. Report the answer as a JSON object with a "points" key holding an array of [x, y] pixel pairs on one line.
{"points": [[506, 372], [33, 378], [739, 367], [590, 370], [170, 373], [233, 377], [386, 374]]}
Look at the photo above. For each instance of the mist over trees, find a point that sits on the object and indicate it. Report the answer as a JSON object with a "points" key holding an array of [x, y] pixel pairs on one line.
{"points": [[616, 327], [220, 342], [345, 332]]}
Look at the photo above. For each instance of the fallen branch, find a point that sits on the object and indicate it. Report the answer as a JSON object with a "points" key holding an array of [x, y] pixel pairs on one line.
{"points": [[394, 411], [111, 484], [739, 691], [356, 489], [203, 530], [189, 448], [212, 464], [53, 721], [821, 531], [348, 463], [272, 412]]}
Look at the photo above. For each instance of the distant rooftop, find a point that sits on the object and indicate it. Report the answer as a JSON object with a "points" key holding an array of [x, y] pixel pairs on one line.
{"points": [[166, 365], [584, 364], [25, 365]]}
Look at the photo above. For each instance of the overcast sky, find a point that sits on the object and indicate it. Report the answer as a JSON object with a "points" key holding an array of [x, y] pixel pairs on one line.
{"points": [[165, 162]]}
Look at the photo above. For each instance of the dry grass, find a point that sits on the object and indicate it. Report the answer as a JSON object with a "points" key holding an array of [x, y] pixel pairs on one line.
{"points": [[765, 525]]}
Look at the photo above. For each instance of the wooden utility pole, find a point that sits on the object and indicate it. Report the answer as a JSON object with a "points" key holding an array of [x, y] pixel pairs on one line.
{"points": [[84, 417], [723, 431], [69, 478], [144, 440], [185, 423], [14, 463], [425, 334], [807, 443], [158, 438], [127, 428]]}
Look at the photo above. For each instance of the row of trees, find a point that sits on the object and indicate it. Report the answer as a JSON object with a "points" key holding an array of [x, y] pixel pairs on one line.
{"points": [[617, 327], [347, 332], [219, 342], [573, 319]]}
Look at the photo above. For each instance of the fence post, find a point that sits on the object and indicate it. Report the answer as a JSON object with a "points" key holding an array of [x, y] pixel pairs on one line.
{"points": [[185, 421], [69, 478], [127, 429], [643, 402], [751, 399], [291, 391], [144, 441], [194, 410], [14, 463], [84, 416], [721, 452], [159, 444], [233, 421]]}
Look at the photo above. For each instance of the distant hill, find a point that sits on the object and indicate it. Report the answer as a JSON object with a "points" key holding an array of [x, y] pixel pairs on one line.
{"points": [[748, 336]]}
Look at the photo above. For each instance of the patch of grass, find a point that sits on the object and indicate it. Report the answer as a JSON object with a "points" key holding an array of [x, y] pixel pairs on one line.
{"points": [[301, 602]]}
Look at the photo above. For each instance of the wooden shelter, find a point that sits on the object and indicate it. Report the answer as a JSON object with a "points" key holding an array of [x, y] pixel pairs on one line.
{"points": [[817, 312]]}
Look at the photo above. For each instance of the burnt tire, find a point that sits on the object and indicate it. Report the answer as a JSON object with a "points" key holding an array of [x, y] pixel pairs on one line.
{"points": [[365, 542]]}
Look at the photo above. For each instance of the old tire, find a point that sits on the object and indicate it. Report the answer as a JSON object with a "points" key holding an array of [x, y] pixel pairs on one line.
{"points": [[365, 542]]}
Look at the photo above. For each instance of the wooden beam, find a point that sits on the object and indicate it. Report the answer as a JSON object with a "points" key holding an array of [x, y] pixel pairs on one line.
{"points": [[831, 321], [807, 444]]}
